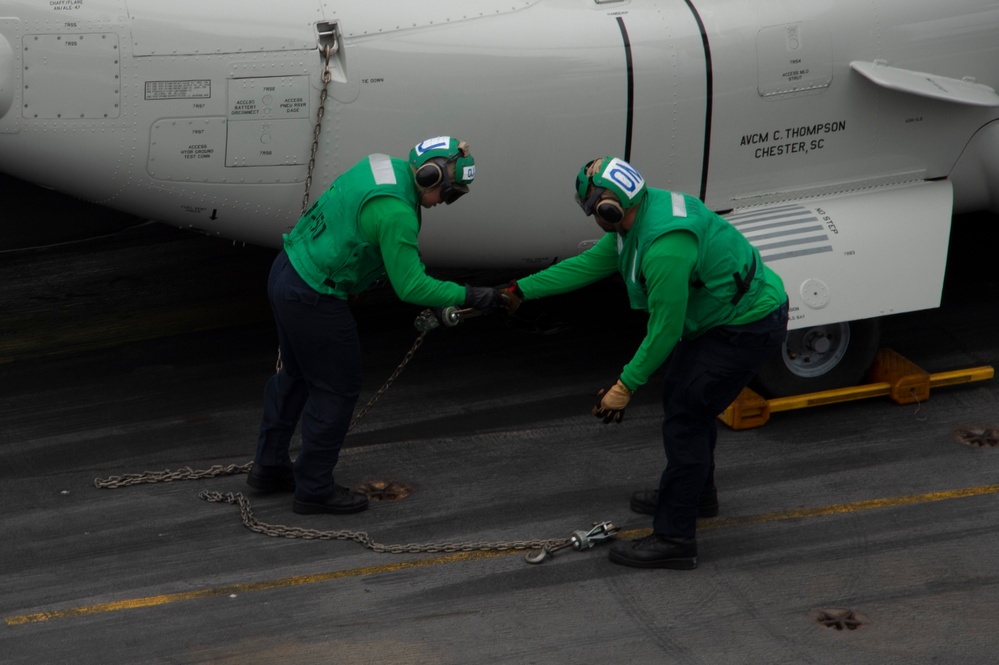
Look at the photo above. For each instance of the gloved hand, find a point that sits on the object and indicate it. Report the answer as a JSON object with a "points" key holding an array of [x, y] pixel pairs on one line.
{"points": [[514, 296], [612, 402], [484, 299]]}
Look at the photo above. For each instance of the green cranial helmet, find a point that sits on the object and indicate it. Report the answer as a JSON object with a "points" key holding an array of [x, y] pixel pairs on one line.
{"points": [[443, 162], [450, 150], [609, 174]]}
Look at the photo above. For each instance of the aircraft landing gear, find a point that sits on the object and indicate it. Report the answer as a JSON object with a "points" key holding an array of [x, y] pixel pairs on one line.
{"points": [[820, 358]]}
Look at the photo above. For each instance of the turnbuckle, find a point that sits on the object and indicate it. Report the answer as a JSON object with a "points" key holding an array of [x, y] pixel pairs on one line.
{"points": [[449, 317], [579, 540]]}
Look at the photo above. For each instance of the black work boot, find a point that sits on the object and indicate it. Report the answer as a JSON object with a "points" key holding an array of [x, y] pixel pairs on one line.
{"points": [[341, 502], [655, 551], [271, 478], [645, 502]]}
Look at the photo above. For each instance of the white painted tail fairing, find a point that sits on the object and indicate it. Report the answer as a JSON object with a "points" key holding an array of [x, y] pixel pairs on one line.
{"points": [[855, 255]]}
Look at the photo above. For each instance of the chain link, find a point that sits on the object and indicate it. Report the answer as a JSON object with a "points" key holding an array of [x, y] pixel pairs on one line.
{"points": [[381, 391], [328, 52], [280, 530], [361, 537], [187, 473], [166, 476], [327, 76]]}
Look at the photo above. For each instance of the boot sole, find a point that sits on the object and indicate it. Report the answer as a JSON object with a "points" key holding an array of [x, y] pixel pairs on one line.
{"points": [[684, 563], [303, 508]]}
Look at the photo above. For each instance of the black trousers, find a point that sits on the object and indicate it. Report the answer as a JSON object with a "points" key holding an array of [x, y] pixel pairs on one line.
{"points": [[319, 381], [703, 376]]}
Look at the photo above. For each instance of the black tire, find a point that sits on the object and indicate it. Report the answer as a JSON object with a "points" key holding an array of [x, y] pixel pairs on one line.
{"points": [[836, 355]]}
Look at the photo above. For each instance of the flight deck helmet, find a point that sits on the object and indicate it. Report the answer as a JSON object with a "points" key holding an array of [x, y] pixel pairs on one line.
{"points": [[609, 186], [443, 161]]}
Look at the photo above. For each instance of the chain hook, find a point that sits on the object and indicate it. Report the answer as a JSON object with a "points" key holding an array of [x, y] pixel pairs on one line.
{"points": [[579, 540]]}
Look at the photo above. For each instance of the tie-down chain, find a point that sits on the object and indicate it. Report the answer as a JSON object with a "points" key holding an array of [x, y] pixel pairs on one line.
{"points": [[542, 550]]}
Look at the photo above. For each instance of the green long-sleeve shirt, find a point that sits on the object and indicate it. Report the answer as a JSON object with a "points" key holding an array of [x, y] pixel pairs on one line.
{"points": [[667, 268], [363, 228], [393, 227]]}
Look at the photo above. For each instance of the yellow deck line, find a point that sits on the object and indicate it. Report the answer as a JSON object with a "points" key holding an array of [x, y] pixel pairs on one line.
{"points": [[301, 580]]}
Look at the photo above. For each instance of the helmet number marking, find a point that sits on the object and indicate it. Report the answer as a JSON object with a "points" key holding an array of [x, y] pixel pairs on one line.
{"points": [[624, 176], [436, 143]]}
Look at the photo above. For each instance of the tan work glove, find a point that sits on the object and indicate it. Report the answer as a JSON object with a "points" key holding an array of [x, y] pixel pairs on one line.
{"points": [[612, 402]]}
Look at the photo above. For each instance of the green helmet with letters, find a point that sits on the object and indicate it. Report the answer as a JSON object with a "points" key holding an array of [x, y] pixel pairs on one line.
{"points": [[609, 174], [444, 161]]}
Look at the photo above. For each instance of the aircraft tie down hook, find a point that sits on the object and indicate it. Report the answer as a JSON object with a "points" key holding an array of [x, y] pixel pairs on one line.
{"points": [[579, 540]]}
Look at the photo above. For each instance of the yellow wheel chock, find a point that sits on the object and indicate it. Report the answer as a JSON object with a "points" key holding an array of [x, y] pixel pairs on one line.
{"points": [[891, 374]]}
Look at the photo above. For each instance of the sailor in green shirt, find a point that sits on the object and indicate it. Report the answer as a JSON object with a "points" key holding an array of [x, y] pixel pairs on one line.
{"points": [[363, 228], [716, 314]]}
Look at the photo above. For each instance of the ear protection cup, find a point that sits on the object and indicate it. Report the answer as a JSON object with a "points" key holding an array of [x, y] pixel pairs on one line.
{"points": [[609, 210], [429, 175]]}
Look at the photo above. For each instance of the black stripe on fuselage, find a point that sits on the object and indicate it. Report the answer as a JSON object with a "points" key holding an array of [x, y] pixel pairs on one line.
{"points": [[709, 97], [631, 89]]}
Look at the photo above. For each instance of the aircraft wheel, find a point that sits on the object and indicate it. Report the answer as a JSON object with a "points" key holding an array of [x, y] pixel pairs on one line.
{"points": [[820, 358]]}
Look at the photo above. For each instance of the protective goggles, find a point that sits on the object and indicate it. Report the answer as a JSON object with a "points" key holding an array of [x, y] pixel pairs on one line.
{"points": [[451, 191], [590, 201], [435, 173]]}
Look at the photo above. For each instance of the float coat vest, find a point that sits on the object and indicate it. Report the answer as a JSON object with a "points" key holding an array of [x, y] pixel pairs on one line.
{"points": [[727, 276], [327, 246]]}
